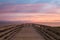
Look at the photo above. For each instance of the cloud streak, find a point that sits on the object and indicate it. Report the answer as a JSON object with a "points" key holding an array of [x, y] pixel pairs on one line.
{"points": [[31, 17], [35, 11], [30, 8]]}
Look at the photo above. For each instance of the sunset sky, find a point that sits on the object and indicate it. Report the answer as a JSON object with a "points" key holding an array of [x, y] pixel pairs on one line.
{"points": [[30, 10]]}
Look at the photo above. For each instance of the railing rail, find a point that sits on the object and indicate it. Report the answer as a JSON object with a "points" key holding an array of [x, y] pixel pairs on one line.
{"points": [[48, 32], [7, 32]]}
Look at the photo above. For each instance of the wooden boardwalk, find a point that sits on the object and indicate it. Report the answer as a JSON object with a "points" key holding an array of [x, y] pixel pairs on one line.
{"points": [[28, 33]]}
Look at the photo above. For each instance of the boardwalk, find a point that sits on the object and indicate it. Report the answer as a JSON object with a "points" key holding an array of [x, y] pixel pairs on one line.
{"points": [[28, 33]]}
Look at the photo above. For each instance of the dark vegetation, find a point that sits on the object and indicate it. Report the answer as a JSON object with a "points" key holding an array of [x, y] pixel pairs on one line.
{"points": [[56, 28]]}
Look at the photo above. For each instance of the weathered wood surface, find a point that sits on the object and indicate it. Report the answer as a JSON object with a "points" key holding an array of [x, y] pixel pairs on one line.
{"points": [[28, 33]]}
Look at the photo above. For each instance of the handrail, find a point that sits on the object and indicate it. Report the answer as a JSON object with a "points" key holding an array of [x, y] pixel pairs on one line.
{"points": [[9, 31], [48, 32]]}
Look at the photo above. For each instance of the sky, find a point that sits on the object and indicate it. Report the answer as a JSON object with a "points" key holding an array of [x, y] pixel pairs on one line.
{"points": [[30, 10]]}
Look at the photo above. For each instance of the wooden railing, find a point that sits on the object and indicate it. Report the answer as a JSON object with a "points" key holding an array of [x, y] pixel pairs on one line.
{"points": [[49, 33], [8, 32]]}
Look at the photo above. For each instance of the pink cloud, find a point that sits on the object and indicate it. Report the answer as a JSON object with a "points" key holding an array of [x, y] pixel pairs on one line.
{"points": [[22, 7], [32, 8], [37, 17]]}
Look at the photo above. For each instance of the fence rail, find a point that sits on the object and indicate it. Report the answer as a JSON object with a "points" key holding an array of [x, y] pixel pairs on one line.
{"points": [[49, 33], [8, 32]]}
